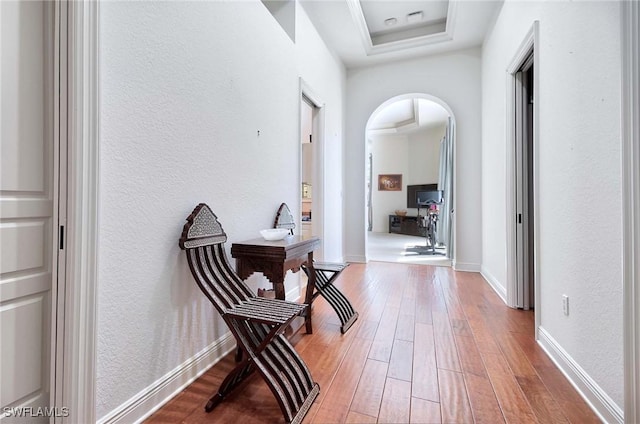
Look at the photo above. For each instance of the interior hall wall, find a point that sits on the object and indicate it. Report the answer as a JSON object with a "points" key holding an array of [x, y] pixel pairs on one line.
{"points": [[579, 167], [196, 105]]}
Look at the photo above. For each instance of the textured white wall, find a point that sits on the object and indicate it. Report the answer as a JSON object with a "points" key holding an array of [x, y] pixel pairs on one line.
{"points": [[185, 88], [455, 79], [326, 76], [580, 199]]}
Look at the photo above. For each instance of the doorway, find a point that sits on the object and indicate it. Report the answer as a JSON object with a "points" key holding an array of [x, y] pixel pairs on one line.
{"points": [[312, 212], [409, 181], [524, 200], [522, 183], [308, 165]]}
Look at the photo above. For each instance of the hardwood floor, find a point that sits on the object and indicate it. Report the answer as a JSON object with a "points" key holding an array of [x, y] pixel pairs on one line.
{"points": [[431, 345]]}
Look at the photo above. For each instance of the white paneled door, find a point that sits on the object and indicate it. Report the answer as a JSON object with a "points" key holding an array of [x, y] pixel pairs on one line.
{"points": [[27, 187]]}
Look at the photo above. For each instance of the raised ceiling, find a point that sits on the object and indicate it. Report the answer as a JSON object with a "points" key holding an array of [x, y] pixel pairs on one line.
{"points": [[406, 116], [368, 32], [403, 19]]}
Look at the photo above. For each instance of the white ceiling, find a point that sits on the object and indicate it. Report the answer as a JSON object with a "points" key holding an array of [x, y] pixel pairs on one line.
{"points": [[408, 115], [385, 18], [356, 29]]}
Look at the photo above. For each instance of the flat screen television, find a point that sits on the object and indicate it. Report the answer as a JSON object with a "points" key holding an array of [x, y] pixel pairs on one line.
{"points": [[428, 191]]}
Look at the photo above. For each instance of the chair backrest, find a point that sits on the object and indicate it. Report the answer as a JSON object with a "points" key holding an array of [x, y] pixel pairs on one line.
{"points": [[284, 218], [203, 239]]}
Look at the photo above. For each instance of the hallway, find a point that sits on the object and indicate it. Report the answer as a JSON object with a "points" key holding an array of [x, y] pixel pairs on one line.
{"points": [[431, 345]]}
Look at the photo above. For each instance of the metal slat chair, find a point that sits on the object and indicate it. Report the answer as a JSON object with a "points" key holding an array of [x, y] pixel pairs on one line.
{"points": [[257, 324], [326, 273]]}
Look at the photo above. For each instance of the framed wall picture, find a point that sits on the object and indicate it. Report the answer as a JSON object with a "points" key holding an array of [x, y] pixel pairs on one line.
{"points": [[390, 182]]}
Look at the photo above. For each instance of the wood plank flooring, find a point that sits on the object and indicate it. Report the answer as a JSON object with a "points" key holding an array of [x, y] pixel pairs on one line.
{"points": [[431, 346]]}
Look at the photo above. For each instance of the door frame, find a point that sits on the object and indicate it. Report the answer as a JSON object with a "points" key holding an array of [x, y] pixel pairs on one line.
{"points": [[317, 122], [630, 17], [523, 185], [58, 67], [530, 42], [77, 321]]}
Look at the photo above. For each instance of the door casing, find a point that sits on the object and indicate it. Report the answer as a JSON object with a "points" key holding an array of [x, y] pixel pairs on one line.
{"points": [[530, 43], [630, 28], [78, 324], [523, 138]]}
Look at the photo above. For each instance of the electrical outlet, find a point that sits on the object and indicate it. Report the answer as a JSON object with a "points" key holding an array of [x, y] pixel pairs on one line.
{"points": [[565, 304]]}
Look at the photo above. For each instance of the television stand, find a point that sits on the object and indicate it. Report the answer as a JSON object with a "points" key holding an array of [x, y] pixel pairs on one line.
{"points": [[407, 225]]}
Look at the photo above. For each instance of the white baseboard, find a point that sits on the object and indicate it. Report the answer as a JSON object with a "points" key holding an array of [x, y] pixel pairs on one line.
{"points": [[295, 294], [149, 400], [494, 284], [600, 402], [466, 267], [356, 259]]}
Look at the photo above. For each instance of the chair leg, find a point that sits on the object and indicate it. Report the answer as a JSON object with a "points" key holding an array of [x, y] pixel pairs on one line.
{"points": [[338, 301], [213, 402], [231, 381], [275, 359], [288, 378]]}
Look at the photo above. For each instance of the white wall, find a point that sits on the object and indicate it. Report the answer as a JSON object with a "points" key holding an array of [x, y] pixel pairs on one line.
{"points": [[579, 167], [424, 155], [185, 88], [455, 79]]}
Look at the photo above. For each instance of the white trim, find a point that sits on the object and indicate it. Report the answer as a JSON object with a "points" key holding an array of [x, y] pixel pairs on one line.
{"points": [[466, 267], [153, 397], [363, 30], [593, 394], [630, 16], [530, 42], [58, 66], [82, 223], [359, 259], [295, 294], [494, 284]]}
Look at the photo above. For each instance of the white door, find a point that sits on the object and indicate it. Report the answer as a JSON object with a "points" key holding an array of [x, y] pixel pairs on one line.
{"points": [[26, 207]]}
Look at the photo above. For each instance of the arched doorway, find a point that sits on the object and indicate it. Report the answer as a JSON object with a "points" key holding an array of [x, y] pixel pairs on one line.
{"points": [[409, 183]]}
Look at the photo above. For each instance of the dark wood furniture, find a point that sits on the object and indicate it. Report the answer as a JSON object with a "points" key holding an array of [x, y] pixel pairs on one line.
{"points": [[274, 259], [323, 274], [256, 323], [405, 225]]}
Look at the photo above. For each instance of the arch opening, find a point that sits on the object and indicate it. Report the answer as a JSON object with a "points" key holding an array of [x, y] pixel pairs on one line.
{"points": [[409, 181]]}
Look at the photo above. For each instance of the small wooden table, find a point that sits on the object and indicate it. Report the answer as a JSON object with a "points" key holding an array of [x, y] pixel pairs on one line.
{"points": [[274, 259]]}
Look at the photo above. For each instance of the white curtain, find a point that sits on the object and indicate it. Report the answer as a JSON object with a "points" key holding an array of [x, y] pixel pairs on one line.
{"points": [[369, 193], [445, 183]]}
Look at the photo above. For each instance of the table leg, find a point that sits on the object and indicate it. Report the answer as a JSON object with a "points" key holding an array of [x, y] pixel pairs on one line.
{"points": [[311, 287], [278, 284]]}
